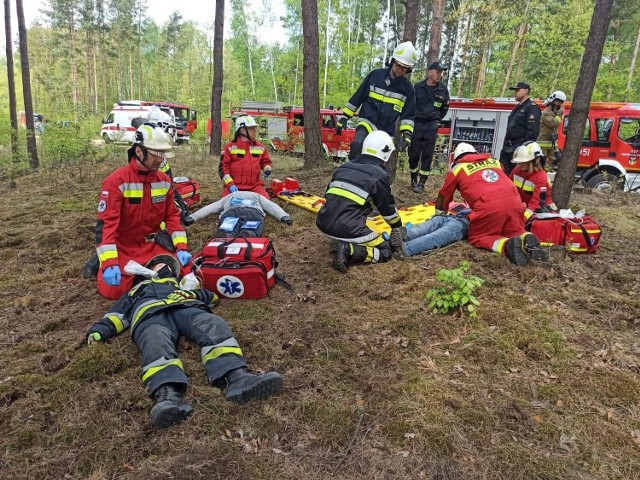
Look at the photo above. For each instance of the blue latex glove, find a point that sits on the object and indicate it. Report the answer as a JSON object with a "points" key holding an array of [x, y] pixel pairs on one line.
{"points": [[266, 172], [112, 276], [184, 257], [233, 189]]}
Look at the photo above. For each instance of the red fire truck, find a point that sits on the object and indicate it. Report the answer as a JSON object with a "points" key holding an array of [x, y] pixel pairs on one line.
{"points": [[283, 127], [610, 153]]}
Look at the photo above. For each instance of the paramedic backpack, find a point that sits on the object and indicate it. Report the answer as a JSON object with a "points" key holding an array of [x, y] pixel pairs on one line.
{"points": [[238, 267], [577, 234], [188, 189]]}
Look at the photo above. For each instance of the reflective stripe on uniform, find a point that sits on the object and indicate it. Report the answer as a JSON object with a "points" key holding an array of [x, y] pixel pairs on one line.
{"points": [[132, 190], [348, 191], [360, 240], [350, 109], [237, 151], [350, 187], [363, 122], [227, 179], [498, 245], [107, 252], [391, 218], [256, 150], [518, 181], [179, 236], [406, 125], [160, 364], [141, 310], [228, 346], [386, 96], [470, 168], [527, 213], [160, 189], [116, 320]]}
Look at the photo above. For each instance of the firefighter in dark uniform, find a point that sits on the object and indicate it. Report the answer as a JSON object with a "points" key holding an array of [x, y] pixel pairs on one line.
{"points": [[432, 104], [355, 189], [158, 311], [523, 125], [384, 95]]}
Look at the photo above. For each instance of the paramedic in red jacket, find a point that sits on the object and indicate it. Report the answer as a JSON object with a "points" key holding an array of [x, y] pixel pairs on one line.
{"points": [[532, 180], [497, 214], [244, 159], [133, 203]]}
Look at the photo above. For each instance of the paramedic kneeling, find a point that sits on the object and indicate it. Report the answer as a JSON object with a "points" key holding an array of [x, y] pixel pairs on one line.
{"points": [[133, 202]]}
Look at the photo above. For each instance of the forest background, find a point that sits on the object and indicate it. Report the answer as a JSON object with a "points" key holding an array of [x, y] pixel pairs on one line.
{"points": [[86, 55]]}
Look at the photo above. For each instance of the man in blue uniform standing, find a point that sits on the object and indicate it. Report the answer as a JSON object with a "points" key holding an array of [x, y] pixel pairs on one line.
{"points": [[384, 96]]}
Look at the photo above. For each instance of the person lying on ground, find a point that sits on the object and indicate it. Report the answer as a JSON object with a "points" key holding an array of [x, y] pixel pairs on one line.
{"points": [[436, 232], [158, 311], [242, 214]]}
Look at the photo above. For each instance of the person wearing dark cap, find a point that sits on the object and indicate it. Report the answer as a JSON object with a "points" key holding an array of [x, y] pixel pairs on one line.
{"points": [[523, 125], [432, 104]]}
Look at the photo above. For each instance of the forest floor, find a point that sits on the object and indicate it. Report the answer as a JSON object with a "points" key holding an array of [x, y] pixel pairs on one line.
{"points": [[543, 384]]}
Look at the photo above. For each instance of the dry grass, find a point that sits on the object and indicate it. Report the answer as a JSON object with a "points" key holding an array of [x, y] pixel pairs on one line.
{"points": [[544, 384]]}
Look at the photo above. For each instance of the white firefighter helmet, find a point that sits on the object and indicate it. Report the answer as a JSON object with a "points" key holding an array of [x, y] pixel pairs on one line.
{"points": [[461, 149], [405, 54], [527, 152], [245, 121], [557, 95], [159, 117], [153, 138], [378, 144]]}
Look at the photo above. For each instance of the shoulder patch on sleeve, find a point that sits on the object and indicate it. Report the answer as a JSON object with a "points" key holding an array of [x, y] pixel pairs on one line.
{"points": [[102, 206]]}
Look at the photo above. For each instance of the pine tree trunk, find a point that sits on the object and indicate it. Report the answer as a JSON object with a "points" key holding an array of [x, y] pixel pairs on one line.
{"points": [[13, 110], [313, 152], [632, 67], [32, 148], [600, 20], [436, 31], [463, 61], [215, 147], [326, 56], [523, 50], [514, 50]]}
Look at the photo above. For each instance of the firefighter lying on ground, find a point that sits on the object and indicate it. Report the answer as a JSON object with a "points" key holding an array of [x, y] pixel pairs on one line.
{"points": [[497, 214], [133, 203], [385, 95], [355, 189], [244, 159], [436, 232], [531, 180], [158, 311], [242, 214]]}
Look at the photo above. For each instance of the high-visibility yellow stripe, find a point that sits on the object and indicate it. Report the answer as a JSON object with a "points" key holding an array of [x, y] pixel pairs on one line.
{"points": [[346, 194], [406, 128], [159, 192], [369, 254], [216, 352], [473, 167], [382, 98], [133, 193], [107, 255], [116, 323], [527, 214], [257, 150], [142, 311], [237, 151], [348, 111], [153, 370], [578, 230], [498, 245]]}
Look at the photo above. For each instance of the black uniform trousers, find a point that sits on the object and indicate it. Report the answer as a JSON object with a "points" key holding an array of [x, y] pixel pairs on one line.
{"points": [[358, 140], [423, 144], [156, 338]]}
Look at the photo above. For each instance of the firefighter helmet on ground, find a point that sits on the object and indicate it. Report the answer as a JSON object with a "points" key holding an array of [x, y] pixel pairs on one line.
{"points": [[245, 121], [405, 54], [462, 149], [378, 144], [153, 138], [527, 152]]}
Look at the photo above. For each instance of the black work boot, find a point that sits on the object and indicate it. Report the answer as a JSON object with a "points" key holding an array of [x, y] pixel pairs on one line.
{"points": [[396, 240], [420, 185], [514, 252], [243, 386], [414, 181], [170, 408], [91, 268], [532, 248], [341, 257]]}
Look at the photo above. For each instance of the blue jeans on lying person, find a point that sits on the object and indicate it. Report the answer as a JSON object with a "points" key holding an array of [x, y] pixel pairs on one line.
{"points": [[436, 232]]}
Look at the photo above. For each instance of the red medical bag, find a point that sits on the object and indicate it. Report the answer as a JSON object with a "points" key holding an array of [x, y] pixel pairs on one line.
{"points": [[189, 190], [579, 235]]}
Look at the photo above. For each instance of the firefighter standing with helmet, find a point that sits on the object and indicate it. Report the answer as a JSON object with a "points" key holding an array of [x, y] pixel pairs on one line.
{"points": [[244, 159], [355, 189], [432, 104], [133, 202], [523, 124], [158, 311], [497, 214], [549, 124], [384, 95], [531, 180]]}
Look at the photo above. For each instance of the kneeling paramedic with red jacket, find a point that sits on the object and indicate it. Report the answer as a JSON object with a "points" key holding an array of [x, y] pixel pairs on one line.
{"points": [[355, 189], [497, 214], [133, 203], [244, 159], [158, 311]]}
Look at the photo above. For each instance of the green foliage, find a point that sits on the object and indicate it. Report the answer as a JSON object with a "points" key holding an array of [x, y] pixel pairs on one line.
{"points": [[455, 292]]}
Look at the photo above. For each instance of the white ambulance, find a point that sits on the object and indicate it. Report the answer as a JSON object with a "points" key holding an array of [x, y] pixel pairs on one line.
{"points": [[117, 126]]}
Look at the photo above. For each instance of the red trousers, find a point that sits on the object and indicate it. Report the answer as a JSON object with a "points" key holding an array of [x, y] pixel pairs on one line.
{"points": [[493, 221]]}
